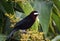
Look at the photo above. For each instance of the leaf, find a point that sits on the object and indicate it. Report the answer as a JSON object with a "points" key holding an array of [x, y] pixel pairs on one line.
{"points": [[8, 6], [57, 38], [57, 3], [44, 9], [27, 8], [2, 37], [57, 20], [56, 10]]}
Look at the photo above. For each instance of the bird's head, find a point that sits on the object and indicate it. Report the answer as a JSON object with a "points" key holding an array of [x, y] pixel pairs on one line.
{"points": [[34, 14]]}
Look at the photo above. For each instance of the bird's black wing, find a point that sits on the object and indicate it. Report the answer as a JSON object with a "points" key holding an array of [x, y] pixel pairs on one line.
{"points": [[25, 23]]}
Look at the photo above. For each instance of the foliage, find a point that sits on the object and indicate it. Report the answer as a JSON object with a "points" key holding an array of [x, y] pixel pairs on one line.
{"points": [[12, 11]]}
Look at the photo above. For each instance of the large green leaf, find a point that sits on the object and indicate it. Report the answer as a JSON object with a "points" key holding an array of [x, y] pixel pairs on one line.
{"points": [[27, 8], [44, 9], [45, 14]]}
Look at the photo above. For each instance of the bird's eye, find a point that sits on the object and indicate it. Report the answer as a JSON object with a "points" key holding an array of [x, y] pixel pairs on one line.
{"points": [[35, 13]]}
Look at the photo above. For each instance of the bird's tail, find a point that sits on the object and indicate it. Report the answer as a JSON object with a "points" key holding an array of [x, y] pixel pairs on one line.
{"points": [[10, 36]]}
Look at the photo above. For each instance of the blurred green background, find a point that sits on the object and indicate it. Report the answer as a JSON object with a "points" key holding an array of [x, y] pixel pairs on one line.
{"points": [[47, 23]]}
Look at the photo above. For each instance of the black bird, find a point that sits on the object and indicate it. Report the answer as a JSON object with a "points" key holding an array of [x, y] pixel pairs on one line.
{"points": [[24, 24]]}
